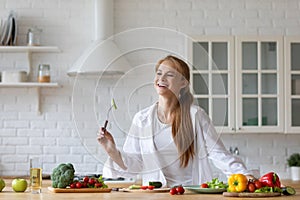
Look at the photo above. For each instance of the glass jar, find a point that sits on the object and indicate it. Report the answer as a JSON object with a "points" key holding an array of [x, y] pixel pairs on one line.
{"points": [[33, 36], [44, 73]]}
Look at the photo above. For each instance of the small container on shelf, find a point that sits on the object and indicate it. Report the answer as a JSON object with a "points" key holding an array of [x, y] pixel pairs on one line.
{"points": [[12, 76], [33, 36], [44, 73]]}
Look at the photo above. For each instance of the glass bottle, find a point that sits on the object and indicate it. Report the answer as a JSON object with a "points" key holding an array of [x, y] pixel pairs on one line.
{"points": [[44, 73]]}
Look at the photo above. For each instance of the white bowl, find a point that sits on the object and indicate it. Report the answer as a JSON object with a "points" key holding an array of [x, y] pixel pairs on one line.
{"points": [[14, 76]]}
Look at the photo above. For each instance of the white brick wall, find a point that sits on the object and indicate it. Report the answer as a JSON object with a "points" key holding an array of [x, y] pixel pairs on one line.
{"points": [[68, 24]]}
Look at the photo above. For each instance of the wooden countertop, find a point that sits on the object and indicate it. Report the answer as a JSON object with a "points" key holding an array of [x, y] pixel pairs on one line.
{"points": [[8, 194]]}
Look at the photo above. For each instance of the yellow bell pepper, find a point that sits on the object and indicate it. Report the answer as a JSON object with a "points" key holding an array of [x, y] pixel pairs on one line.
{"points": [[237, 183]]}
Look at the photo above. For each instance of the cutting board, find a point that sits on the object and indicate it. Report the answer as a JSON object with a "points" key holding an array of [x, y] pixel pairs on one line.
{"points": [[145, 191], [80, 190], [252, 195]]}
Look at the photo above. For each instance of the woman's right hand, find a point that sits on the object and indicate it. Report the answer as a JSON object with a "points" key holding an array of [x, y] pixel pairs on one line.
{"points": [[106, 140], [108, 143]]}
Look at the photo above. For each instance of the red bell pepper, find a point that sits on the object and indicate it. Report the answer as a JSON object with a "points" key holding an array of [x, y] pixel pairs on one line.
{"points": [[270, 179]]}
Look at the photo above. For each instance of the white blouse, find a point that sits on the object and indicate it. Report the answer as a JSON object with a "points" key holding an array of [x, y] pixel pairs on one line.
{"points": [[141, 152], [168, 154]]}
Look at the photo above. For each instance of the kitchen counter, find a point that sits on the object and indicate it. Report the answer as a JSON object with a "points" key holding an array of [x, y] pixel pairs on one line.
{"points": [[8, 194]]}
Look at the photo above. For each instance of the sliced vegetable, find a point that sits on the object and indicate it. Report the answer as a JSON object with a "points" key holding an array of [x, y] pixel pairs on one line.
{"points": [[132, 187], [267, 189], [216, 184], [288, 190], [237, 183], [113, 103], [156, 184]]}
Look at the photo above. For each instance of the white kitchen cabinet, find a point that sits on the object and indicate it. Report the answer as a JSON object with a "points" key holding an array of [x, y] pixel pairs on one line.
{"points": [[239, 82], [29, 50], [259, 84], [212, 78], [292, 92]]}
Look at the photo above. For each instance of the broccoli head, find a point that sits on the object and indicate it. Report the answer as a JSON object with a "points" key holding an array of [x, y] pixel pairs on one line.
{"points": [[62, 175]]}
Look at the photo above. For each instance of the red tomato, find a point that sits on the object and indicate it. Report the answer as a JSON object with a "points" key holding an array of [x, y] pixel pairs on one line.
{"points": [[84, 185], [98, 185], [144, 187], [86, 179], [78, 185], [73, 185], [173, 191], [180, 190], [150, 187], [257, 184], [251, 187], [92, 181], [204, 185]]}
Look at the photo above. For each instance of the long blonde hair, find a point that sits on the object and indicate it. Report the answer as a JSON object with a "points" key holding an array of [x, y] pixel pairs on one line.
{"points": [[182, 128]]}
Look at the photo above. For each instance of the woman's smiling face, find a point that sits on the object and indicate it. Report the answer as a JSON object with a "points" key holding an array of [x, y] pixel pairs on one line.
{"points": [[168, 80]]}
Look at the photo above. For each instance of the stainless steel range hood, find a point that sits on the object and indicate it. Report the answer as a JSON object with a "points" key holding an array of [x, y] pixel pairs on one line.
{"points": [[102, 57]]}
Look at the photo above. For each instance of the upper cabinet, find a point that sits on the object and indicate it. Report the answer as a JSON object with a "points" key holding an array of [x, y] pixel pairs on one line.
{"points": [[292, 92], [239, 82], [259, 84], [212, 78]]}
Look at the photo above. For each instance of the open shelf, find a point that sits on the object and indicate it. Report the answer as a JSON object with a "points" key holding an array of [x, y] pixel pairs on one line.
{"points": [[29, 49], [28, 84], [35, 85]]}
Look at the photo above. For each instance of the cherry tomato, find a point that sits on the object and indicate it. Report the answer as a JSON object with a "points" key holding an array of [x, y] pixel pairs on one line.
{"points": [[173, 191], [204, 185], [151, 187], [73, 185], [144, 187], [78, 185], [86, 179], [84, 185], [257, 184], [92, 181], [251, 187], [98, 185], [180, 190]]}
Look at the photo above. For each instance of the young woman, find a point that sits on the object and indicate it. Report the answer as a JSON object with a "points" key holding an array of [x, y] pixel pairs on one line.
{"points": [[172, 140]]}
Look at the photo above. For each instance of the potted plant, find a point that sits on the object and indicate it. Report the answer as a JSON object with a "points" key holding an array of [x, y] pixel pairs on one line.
{"points": [[294, 164]]}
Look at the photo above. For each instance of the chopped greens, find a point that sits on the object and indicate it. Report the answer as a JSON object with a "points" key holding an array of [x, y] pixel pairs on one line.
{"points": [[268, 189], [216, 184]]}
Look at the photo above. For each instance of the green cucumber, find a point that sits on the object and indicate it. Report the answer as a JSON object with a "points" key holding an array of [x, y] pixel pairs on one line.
{"points": [[133, 187], [156, 184], [288, 190]]}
